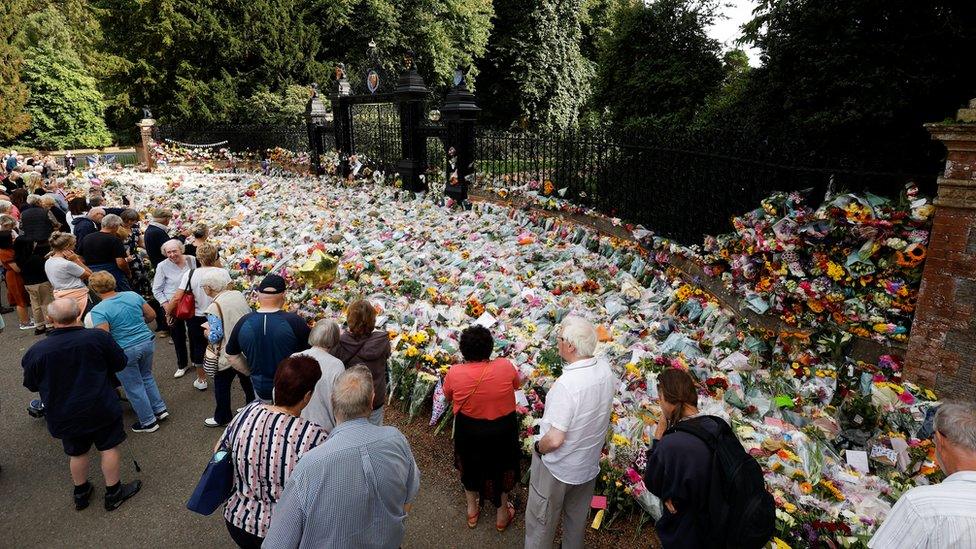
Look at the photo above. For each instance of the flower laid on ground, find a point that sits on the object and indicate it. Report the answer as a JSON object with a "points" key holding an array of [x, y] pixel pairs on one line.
{"points": [[794, 398]]}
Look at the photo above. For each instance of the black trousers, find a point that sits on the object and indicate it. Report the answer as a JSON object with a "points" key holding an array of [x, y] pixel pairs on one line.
{"points": [[198, 343], [222, 382], [178, 332], [243, 539]]}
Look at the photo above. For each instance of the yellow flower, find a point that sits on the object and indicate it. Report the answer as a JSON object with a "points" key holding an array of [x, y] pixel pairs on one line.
{"points": [[618, 484], [789, 507], [632, 369], [411, 351], [619, 440], [780, 544], [835, 271]]}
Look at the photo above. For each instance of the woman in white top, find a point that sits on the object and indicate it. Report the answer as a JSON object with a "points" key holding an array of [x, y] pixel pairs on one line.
{"points": [[66, 271], [166, 282], [208, 261], [323, 338]]}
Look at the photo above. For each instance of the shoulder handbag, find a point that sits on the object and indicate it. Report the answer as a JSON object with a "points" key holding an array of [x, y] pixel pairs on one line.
{"points": [[186, 308], [217, 481], [211, 358]]}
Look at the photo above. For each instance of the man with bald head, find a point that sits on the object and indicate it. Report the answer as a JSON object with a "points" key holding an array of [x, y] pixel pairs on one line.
{"points": [[84, 225], [73, 369]]}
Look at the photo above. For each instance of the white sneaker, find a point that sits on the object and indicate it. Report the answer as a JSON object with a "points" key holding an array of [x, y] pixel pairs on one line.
{"points": [[180, 372], [199, 384], [211, 422]]}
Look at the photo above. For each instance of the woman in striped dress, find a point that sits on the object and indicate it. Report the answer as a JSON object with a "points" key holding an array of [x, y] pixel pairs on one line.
{"points": [[266, 441]]}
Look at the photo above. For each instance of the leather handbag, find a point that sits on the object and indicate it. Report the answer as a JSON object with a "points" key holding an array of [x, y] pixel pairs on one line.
{"points": [[186, 308]]}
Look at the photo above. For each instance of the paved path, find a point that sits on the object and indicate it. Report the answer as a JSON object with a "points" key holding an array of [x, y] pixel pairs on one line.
{"points": [[35, 487], [36, 508]]}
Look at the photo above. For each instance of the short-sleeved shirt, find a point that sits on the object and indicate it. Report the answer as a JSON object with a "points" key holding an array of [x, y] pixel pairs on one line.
{"points": [[930, 517], [200, 298], [491, 398], [579, 405], [266, 449], [101, 248], [64, 274], [266, 339], [123, 313]]}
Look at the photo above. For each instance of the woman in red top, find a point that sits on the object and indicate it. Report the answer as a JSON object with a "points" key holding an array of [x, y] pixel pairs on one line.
{"points": [[486, 442]]}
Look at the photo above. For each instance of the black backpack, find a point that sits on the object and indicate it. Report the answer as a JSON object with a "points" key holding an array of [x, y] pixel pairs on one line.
{"points": [[740, 512]]}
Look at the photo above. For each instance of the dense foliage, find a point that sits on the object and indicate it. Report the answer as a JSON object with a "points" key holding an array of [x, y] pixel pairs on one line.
{"points": [[13, 92], [842, 82]]}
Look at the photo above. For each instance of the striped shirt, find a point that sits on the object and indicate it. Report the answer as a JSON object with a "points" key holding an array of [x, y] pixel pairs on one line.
{"points": [[267, 446], [932, 517], [348, 492]]}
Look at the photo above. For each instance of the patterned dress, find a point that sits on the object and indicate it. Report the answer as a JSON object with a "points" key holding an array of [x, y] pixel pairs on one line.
{"points": [[140, 267]]}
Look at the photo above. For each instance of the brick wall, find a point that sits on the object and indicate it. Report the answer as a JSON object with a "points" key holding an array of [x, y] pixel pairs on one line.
{"points": [[942, 345]]}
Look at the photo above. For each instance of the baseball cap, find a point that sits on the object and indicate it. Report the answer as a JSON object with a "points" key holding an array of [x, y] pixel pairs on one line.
{"points": [[272, 284]]}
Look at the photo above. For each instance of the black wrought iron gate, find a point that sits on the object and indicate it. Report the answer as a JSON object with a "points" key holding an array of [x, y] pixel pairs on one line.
{"points": [[388, 126]]}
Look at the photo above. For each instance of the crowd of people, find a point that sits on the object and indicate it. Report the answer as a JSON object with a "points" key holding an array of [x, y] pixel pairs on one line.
{"points": [[313, 463]]}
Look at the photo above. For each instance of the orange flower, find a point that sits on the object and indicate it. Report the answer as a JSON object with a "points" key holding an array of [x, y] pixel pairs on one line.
{"points": [[806, 487]]}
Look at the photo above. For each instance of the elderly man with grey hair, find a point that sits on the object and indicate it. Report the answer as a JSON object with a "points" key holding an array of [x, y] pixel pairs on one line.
{"points": [[73, 369], [942, 515], [104, 251], [157, 233], [566, 460], [355, 489], [84, 225], [323, 338], [37, 222], [227, 309]]}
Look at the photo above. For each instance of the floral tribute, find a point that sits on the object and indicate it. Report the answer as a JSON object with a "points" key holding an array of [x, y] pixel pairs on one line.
{"points": [[804, 409]]}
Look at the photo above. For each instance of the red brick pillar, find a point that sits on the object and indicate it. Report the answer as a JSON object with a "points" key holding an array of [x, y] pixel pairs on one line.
{"points": [[942, 345], [144, 147]]}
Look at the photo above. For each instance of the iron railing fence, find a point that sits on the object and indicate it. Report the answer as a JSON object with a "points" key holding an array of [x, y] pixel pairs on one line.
{"points": [[679, 187], [236, 137]]}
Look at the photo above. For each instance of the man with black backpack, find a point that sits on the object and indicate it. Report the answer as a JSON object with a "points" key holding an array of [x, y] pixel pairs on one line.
{"points": [[713, 492]]}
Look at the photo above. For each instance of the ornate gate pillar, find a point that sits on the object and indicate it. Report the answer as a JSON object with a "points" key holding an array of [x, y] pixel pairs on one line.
{"points": [[459, 112], [315, 117], [411, 95], [942, 345]]}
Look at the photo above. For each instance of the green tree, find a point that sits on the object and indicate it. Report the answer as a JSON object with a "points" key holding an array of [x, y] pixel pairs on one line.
{"points": [[65, 105], [534, 74], [13, 92], [284, 109], [658, 65], [847, 81], [444, 34]]}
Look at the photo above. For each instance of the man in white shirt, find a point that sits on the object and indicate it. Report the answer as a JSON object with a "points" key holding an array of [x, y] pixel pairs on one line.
{"points": [[566, 460], [942, 515]]}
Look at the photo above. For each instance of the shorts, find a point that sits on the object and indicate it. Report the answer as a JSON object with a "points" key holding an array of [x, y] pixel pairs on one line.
{"points": [[105, 438]]}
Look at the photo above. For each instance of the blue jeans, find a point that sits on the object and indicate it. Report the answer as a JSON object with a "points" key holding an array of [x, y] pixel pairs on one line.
{"points": [[139, 384]]}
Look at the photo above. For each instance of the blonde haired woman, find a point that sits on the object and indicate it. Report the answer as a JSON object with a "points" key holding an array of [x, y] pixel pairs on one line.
{"points": [[125, 315], [66, 271]]}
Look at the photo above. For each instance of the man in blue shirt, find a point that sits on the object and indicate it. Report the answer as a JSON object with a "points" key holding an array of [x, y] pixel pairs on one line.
{"points": [[354, 489], [74, 370], [268, 336]]}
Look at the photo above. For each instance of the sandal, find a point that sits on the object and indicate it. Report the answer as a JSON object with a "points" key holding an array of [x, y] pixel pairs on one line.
{"points": [[473, 519], [511, 519]]}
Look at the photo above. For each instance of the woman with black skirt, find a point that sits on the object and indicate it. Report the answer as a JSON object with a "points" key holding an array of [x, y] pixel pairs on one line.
{"points": [[486, 441]]}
